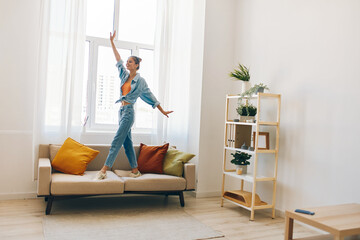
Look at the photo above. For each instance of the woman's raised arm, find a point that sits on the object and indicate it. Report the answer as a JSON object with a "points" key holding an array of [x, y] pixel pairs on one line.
{"points": [[116, 53]]}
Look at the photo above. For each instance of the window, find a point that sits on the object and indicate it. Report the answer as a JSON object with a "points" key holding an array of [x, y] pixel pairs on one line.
{"points": [[134, 22]]}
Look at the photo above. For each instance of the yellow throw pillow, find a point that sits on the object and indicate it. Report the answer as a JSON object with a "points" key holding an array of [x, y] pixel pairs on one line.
{"points": [[174, 162], [73, 157]]}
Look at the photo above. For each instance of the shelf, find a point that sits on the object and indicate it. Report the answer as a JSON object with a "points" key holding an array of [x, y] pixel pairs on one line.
{"points": [[245, 177], [269, 123], [254, 96], [239, 149], [241, 123], [240, 133], [249, 177], [253, 124], [238, 96], [263, 206], [248, 208], [243, 198], [250, 152], [265, 151]]}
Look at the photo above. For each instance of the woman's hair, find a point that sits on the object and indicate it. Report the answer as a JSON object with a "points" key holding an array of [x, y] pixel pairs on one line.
{"points": [[137, 60]]}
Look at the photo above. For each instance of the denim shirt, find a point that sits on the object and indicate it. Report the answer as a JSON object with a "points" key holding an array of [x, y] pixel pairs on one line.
{"points": [[139, 88]]}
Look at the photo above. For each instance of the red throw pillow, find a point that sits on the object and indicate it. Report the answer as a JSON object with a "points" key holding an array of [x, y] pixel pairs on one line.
{"points": [[151, 158]]}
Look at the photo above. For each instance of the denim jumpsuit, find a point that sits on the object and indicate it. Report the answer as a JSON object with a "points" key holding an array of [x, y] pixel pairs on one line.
{"points": [[139, 88]]}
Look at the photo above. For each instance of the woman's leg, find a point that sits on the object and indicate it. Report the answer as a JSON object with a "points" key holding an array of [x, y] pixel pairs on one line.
{"points": [[125, 124], [130, 152]]}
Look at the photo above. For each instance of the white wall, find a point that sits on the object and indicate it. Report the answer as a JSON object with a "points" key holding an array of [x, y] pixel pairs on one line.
{"points": [[19, 28], [218, 61], [308, 51]]}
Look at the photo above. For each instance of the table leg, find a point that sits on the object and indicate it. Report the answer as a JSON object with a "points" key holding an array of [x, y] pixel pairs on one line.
{"points": [[289, 225], [338, 237]]}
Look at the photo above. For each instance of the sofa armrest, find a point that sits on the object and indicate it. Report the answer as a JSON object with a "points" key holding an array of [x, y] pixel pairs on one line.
{"points": [[44, 177], [189, 175]]}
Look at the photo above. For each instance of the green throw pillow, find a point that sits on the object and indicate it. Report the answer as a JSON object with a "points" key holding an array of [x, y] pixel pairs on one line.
{"points": [[174, 162]]}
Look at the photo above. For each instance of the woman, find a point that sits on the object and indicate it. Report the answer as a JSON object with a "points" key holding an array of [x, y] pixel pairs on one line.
{"points": [[132, 87]]}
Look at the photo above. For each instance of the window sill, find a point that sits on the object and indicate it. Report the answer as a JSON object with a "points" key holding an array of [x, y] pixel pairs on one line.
{"points": [[106, 137], [112, 132]]}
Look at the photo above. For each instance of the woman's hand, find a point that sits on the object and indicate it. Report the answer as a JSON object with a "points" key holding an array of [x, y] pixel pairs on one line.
{"points": [[112, 37], [166, 113], [116, 53]]}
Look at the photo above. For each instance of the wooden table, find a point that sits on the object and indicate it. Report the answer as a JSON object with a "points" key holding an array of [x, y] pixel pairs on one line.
{"points": [[339, 220]]}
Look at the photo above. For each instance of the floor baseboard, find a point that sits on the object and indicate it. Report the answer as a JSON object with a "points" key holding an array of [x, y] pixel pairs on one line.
{"points": [[207, 194], [13, 196]]}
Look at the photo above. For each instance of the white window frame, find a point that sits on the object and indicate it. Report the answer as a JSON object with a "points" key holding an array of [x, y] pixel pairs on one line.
{"points": [[94, 44]]}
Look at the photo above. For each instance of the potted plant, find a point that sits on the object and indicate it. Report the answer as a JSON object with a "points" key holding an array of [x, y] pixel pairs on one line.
{"points": [[254, 90], [241, 161], [260, 87], [242, 73], [247, 112]]}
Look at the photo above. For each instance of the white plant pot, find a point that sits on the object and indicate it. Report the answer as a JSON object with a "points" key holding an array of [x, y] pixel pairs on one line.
{"points": [[246, 85], [247, 118], [241, 169]]}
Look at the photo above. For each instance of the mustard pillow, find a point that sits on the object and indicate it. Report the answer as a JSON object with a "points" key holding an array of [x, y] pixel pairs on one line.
{"points": [[73, 157], [174, 162]]}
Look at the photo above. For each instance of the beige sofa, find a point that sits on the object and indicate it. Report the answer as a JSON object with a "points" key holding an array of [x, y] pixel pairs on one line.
{"points": [[55, 185]]}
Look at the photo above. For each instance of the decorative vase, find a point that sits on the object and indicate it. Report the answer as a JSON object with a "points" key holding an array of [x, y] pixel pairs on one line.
{"points": [[246, 85], [241, 169]]}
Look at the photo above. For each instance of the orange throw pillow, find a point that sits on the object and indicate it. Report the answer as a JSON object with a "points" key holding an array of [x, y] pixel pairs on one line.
{"points": [[151, 158], [73, 157]]}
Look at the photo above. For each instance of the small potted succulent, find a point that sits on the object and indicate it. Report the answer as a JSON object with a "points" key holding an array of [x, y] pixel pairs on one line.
{"points": [[254, 90], [260, 87], [241, 161], [242, 73], [247, 112]]}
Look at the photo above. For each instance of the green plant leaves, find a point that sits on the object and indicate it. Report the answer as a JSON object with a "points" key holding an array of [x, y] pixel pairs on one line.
{"points": [[240, 158], [246, 110], [242, 73]]}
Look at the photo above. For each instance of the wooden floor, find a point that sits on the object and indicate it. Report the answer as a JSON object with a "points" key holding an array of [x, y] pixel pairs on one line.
{"points": [[22, 219]]}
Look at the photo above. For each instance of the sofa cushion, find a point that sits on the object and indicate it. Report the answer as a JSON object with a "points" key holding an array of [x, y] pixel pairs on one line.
{"points": [[68, 184], [73, 157], [151, 158], [174, 162], [54, 148], [152, 182]]}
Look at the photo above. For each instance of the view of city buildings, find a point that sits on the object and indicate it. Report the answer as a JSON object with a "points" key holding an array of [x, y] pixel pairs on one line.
{"points": [[107, 92]]}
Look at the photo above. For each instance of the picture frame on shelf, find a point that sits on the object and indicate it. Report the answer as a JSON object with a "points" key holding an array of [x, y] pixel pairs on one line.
{"points": [[263, 140]]}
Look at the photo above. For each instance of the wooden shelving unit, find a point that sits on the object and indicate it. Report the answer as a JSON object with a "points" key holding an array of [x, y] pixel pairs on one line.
{"points": [[244, 128]]}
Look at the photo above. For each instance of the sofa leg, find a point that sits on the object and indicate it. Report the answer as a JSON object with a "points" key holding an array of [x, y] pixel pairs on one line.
{"points": [[181, 197], [49, 204]]}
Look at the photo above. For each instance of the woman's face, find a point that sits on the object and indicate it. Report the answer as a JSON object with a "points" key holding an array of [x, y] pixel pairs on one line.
{"points": [[131, 65]]}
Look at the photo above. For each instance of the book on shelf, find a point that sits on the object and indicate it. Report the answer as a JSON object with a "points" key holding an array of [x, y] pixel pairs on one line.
{"points": [[237, 135]]}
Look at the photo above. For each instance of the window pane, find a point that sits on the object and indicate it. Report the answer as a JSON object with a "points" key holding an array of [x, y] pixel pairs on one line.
{"points": [[100, 18], [144, 112], [137, 20], [147, 66], [108, 86], [85, 80], [144, 115]]}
